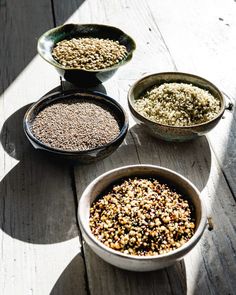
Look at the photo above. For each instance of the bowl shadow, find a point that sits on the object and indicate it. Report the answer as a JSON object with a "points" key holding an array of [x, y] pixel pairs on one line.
{"points": [[69, 86], [192, 159], [171, 280], [37, 202], [72, 280], [105, 278]]}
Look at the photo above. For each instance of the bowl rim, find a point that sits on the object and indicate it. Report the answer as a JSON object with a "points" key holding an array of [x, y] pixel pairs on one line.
{"points": [[133, 110], [177, 252], [63, 95], [58, 65]]}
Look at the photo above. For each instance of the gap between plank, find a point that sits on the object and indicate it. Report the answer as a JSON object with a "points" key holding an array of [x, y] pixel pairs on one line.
{"points": [[224, 174], [164, 42], [53, 14], [136, 149], [74, 192]]}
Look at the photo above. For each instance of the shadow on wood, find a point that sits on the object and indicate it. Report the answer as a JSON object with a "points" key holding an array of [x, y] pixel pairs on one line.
{"points": [[217, 264], [37, 202], [64, 9], [69, 86], [192, 159], [107, 279], [72, 280]]}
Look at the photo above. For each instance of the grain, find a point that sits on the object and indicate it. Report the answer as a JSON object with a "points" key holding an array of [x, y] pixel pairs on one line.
{"points": [[75, 125], [142, 217], [89, 53], [178, 104]]}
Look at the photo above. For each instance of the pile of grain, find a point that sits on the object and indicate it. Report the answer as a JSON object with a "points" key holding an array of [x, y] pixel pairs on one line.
{"points": [[142, 217], [75, 125], [178, 104], [89, 53]]}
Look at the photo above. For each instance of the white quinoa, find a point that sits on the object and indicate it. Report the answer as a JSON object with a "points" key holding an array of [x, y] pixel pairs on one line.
{"points": [[89, 53], [178, 104], [142, 217]]}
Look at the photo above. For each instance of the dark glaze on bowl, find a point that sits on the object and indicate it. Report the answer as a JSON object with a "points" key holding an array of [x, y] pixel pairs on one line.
{"points": [[87, 156], [80, 77], [166, 132]]}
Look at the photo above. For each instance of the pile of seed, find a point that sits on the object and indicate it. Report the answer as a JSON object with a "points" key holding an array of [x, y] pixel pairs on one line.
{"points": [[142, 217], [75, 125], [89, 53], [178, 104]]}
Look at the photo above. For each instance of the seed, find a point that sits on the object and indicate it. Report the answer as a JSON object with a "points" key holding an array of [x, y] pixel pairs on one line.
{"points": [[89, 53], [67, 125], [178, 104], [140, 232]]}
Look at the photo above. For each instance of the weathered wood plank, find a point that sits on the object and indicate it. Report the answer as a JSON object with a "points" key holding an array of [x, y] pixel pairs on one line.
{"points": [[202, 42], [152, 27], [38, 231]]}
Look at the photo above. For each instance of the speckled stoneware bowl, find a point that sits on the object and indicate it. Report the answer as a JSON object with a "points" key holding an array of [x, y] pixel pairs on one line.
{"points": [[138, 263], [79, 77], [166, 132], [87, 156]]}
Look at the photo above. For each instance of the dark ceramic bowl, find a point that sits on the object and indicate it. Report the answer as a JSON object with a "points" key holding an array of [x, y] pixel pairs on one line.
{"points": [[86, 156], [167, 132], [80, 77]]}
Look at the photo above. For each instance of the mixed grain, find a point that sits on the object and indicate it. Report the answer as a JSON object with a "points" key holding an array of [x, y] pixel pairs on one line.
{"points": [[178, 104], [142, 217]]}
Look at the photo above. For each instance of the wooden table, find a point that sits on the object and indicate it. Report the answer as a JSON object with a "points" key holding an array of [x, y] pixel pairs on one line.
{"points": [[41, 251]]}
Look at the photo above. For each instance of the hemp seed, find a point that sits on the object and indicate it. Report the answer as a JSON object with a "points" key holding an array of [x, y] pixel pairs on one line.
{"points": [[178, 104]]}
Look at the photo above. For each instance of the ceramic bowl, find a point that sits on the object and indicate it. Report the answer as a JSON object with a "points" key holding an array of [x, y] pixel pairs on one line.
{"points": [[166, 132], [137, 263], [79, 77], [86, 156]]}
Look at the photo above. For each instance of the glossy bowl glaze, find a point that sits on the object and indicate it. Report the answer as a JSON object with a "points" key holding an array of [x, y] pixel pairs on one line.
{"points": [[80, 77], [87, 156], [167, 132], [137, 263]]}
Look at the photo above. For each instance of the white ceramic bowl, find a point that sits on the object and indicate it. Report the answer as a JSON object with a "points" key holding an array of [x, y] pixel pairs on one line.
{"points": [[137, 263]]}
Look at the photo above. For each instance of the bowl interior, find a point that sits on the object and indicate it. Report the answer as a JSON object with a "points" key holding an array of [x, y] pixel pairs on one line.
{"points": [[142, 85], [100, 185], [88, 95], [49, 39]]}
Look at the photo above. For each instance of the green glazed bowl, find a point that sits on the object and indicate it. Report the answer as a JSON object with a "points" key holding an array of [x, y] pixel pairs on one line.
{"points": [[80, 77], [167, 132]]}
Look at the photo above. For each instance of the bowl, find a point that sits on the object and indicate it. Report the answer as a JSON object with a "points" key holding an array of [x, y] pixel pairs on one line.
{"points": [[85, 156], [140, 263], [80, 77], [167, 132]]}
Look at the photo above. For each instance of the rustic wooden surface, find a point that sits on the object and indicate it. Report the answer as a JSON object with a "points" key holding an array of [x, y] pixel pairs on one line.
{"points": [[40, 247]]}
